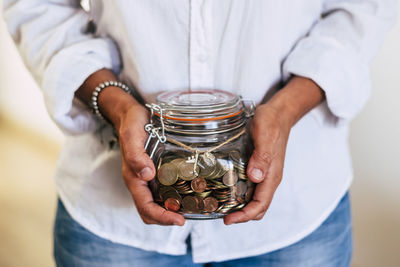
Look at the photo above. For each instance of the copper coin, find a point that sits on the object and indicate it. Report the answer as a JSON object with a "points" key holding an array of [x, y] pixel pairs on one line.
{"points": [[167, 174], [210, 204], [199, 184], [230, 178], [172, 204], [200, 203], [169, 191], [189, 204]]}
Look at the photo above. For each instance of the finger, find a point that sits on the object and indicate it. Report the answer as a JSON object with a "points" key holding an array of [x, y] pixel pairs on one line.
{"points": [[261, 199], [264, 145], [134, 154], [151, 212], [259, 216]]}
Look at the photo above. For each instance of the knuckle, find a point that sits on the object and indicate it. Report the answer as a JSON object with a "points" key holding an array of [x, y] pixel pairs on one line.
{"points": [[264, 208], [259, 217], [246, 216], [146, 221], [163, 215], [131, 157], [143, 211], [125, 133], [263, 156]]}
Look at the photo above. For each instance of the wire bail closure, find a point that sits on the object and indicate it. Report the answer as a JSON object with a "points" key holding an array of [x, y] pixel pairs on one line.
{"points": [[250, 108], [154, 132]]}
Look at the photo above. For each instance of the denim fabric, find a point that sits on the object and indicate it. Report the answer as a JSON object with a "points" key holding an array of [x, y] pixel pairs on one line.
{"points": [[330, 245]]}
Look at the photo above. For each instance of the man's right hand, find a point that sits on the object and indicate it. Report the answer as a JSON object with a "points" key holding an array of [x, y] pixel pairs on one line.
{"points": [[138, 168], [129, 119]]}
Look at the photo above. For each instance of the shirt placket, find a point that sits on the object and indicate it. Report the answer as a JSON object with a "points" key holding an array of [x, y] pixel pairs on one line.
{"points": [[200, 77], [200, 48]]}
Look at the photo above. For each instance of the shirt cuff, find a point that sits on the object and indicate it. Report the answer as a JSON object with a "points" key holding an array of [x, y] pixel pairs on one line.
{"points": [[338, 70], [66, 72]]}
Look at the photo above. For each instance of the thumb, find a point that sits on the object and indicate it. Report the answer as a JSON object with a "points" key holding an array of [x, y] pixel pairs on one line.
{"points": [[140, 164], [259, 164]]}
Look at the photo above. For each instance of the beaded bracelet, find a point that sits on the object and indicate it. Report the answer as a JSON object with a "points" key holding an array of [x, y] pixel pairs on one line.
{"points": [[97, 91]]}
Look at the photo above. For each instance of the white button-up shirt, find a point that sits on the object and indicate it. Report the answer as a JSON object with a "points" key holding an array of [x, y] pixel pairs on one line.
{"points": [[247, 47]]}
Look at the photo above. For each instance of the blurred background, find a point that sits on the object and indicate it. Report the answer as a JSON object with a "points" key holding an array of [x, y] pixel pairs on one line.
{"points": [[30, 142]]}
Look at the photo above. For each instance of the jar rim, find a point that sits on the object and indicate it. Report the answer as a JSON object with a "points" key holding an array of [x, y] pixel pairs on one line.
{"points": [[201, 111]]}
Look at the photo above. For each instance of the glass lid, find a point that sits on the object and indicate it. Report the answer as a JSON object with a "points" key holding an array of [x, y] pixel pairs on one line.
{"points": [[196, 99], [201, 111]]}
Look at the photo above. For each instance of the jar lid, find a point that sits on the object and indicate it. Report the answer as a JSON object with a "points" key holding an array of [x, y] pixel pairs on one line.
{"points": [[201, 111]]}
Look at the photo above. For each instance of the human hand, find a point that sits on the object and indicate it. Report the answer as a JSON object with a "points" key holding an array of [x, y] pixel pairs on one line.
{"points": [[270, 130], [270, 134], [129, 119], [138, 168]]}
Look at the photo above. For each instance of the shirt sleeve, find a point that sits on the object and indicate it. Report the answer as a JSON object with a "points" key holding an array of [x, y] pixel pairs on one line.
{"points": [[337, 51], [52, 40]]}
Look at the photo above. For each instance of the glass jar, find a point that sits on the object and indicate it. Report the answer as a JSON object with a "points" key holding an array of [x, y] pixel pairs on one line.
{"points": [[200, 147]]}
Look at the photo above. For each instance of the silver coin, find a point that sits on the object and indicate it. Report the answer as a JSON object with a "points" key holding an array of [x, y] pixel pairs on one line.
{"points": [[230, 178], [186, 170]]}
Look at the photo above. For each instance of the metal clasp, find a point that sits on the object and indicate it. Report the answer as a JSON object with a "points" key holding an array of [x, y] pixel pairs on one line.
{"points": [[154, 132], [250, 107]]}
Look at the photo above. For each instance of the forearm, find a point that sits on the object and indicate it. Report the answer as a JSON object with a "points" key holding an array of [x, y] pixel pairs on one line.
{"points": [[297, 98], [112, 101]]}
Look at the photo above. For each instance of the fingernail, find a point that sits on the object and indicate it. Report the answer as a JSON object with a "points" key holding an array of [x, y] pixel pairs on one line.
{"points": [[145, 172], [257, 174]]}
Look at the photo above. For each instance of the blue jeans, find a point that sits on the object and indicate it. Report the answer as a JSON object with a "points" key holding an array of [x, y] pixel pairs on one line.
{"points": [[329, 245]]}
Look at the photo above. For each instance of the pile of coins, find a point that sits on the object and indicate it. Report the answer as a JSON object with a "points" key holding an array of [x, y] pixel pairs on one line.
{"points": [[216, 184]]}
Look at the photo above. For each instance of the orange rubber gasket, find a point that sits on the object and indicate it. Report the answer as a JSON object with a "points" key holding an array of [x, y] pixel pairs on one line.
{"points": [[201, 119]]}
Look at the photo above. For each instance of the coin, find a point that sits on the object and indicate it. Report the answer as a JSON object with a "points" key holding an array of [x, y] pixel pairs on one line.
{"points": [[189, 204], [230, 178], [249, 194], [242, 176], [208, 158], [169, 191], [210, 204], [167, 174], [177, 161], [206, 170], [200, 203], [199, 184], [226, 164], [183, 187], [204, 194], [172, 204], [241, 188], [186, 170], [218, 172]]}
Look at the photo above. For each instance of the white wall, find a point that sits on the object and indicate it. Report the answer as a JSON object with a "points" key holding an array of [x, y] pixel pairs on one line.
{"points": [[20, 97], [375, 144]]}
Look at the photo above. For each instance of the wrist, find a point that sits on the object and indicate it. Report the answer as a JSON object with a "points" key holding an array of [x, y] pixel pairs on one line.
{"points": [[114, 104], [297, 98], [112, 101]]}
